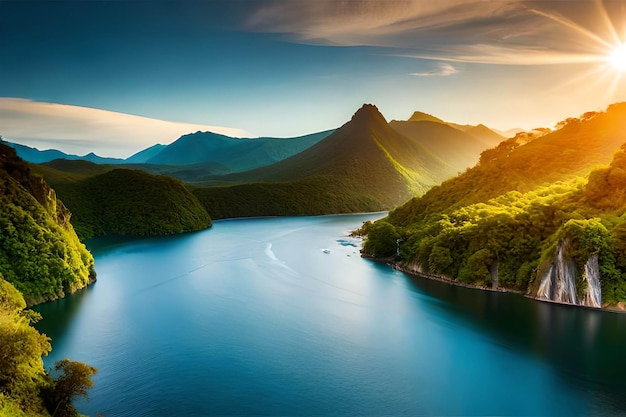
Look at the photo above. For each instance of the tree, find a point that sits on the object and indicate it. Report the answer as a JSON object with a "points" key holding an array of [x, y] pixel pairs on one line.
{"points": [[381, 240], [73, 381]]}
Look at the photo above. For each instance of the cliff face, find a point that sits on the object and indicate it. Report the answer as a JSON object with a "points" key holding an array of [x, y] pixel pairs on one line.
{"points": [[40, 253], [559, 282]]}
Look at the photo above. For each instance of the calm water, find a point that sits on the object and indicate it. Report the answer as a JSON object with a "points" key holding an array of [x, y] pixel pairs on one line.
{"points": [[251, 317]]}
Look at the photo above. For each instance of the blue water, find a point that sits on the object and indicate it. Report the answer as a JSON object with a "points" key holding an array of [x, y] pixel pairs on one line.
{"points": [[251, 317]]}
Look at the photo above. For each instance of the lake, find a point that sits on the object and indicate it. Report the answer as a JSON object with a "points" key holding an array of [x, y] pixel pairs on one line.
{"points": [[253, 317]]}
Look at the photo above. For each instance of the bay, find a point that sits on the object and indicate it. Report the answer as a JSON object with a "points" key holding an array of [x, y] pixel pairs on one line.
{"points": [[256, 317]]}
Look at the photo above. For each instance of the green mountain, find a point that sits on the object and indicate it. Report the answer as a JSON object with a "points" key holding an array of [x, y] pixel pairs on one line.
{"points": [[365, 165], [236, 154], [538, 214], [107, 200], [40, 253]]}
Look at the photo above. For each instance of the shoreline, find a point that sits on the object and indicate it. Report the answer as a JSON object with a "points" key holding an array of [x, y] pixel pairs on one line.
{"points": [[399, 267]]}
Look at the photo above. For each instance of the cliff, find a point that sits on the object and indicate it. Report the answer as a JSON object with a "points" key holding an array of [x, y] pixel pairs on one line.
{"points": [[40, 254]]}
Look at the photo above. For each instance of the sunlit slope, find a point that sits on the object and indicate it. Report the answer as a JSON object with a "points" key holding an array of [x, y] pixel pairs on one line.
{"points": [[457, 148], [539, 214], [365, 155], [118, 201], [525, 162], [40, 253]]}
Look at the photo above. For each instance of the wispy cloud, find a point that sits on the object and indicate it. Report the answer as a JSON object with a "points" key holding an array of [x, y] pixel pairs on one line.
{"points": [[80, 130], [496, 32], [442, 70]]}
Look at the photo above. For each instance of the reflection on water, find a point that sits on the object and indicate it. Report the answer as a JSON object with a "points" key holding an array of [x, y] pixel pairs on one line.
{"points": [[586, 347], [252, 317]]}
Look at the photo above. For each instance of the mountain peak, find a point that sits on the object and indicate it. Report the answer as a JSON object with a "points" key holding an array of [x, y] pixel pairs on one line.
{"points": [[419, 116], [368, 112]]}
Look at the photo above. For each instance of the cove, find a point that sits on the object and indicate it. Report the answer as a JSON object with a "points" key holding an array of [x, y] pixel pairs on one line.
{"points": [[253, 317]]}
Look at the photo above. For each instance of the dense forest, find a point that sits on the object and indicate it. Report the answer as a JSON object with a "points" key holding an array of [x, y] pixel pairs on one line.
{"points": [[125, 202], [504, 222], [40, 254]]}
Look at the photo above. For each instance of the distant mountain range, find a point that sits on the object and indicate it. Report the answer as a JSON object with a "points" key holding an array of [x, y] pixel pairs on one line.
{"points": [[202, 155], [209, 153]]}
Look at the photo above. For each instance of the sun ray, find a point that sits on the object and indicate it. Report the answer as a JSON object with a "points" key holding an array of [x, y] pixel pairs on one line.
{"points": [[607, 21], [572, 25]]}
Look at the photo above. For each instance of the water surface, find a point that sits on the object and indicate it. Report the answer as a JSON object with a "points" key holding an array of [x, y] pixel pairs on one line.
{"points": [[252, 317]]}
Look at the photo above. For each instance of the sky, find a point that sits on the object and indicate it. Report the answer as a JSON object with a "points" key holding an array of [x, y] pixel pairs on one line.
{"points": [[116, 76]]}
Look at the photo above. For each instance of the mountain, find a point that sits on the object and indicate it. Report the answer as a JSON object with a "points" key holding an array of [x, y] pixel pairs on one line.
{"points": [[365, 165], [143, 156], [108, 200], [36, 156], [234, 153], [40, 253], [458, 148], [483, 133], [419, 116], [458, 145], [539, 214]]}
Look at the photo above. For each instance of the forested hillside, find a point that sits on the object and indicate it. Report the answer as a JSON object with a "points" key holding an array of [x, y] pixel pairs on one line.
{"points": [[40, 254], [126, 202], [537, 214]]}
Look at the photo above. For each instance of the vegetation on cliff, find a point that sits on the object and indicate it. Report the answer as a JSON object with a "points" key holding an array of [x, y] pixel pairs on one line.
{"points": [[500, 223], [40, 254]]}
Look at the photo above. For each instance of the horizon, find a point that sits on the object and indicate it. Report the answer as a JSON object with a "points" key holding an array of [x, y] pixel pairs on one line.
{"points": [[114, 78]]}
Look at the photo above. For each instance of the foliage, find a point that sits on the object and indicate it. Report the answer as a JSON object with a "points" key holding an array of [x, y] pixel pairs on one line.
{"points": [[73, 380], [39, 251], [524, 197], [384, 239], [25, 387], [22, 375]]}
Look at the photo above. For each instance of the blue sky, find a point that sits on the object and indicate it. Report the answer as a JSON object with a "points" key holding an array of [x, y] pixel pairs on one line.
{"points": [[292, 67]]}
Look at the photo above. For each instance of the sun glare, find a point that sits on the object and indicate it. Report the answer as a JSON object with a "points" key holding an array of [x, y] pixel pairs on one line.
{"points": [[617, 58]]}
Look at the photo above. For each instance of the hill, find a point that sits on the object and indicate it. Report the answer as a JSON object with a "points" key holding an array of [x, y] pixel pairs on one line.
{"points": [[40, 253], [537, 214], [119, 201]]}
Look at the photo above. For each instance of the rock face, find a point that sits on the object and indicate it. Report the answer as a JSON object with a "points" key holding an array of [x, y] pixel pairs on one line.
{"points": [[593, 293], [559, 282]]}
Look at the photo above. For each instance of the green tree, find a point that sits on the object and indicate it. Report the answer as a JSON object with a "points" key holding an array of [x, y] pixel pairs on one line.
{"points": [[21, 347], [74, 380], [382, 240]]}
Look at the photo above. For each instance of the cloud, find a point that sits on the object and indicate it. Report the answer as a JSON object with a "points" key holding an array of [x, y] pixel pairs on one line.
{"points": [[442, 70], [494, 32], [81, 130]]}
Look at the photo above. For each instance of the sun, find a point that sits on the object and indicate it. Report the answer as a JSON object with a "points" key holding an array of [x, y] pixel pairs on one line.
{"points": [[617, 57]]}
